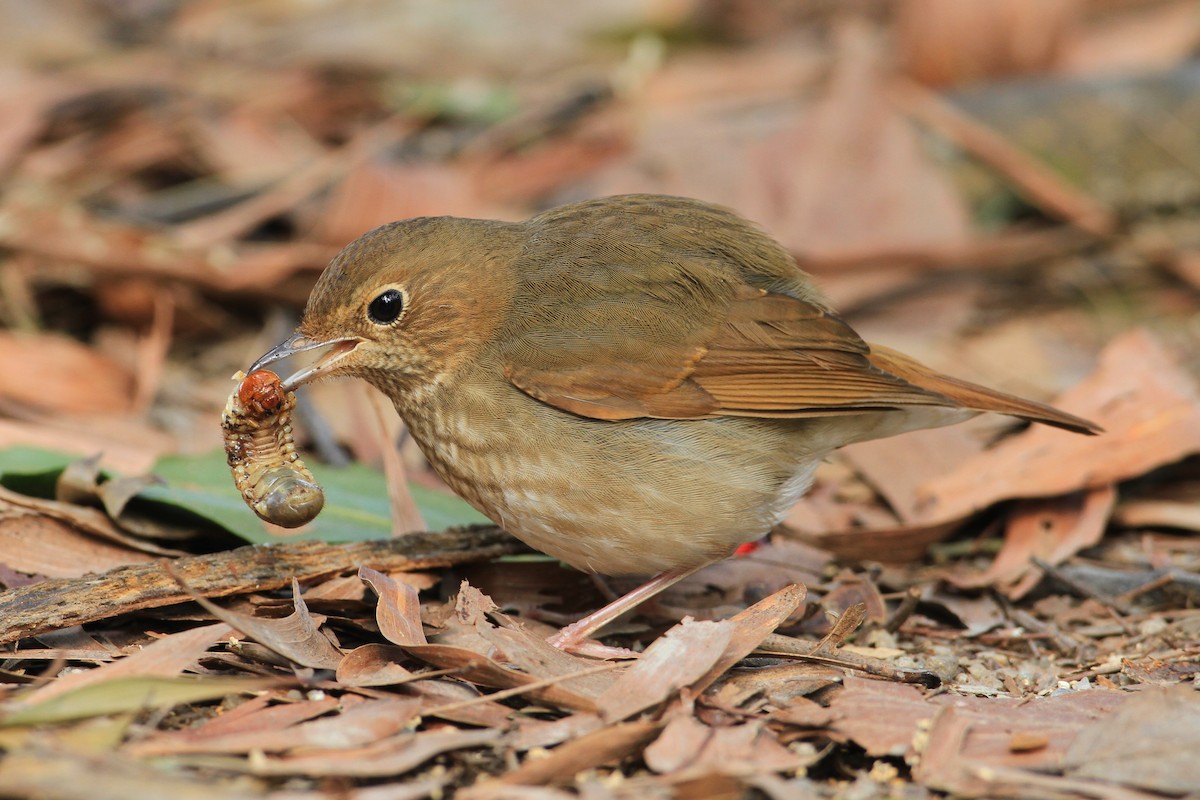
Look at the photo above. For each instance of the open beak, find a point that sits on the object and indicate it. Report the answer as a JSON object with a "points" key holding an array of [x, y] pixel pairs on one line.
{"points": [[336, 350]]}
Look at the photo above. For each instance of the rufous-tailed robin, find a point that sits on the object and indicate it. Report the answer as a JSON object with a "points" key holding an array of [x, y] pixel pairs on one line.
{"points": [[635, 385]]}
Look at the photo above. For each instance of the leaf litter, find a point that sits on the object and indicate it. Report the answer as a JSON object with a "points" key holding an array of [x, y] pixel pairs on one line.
{"points": [[971, 611]]}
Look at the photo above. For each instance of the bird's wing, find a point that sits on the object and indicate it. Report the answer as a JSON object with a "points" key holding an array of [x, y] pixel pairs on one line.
{"points": [[747, 353]]}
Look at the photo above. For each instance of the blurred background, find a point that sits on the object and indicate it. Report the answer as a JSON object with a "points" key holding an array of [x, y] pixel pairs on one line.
{"points": [[997, 188]]}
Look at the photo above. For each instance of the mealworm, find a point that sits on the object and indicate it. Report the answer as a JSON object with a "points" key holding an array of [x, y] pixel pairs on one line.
{"points": [[258, 445]]}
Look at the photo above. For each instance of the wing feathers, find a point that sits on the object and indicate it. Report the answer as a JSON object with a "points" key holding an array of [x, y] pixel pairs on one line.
{"points": [[771, 356]]}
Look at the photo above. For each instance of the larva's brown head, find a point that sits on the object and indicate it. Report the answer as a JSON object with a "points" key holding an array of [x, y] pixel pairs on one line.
{"points": [[407, 304]]}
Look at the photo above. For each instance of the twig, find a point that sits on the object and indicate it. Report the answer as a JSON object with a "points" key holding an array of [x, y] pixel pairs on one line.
{"points": [[1083, 590], [1037, 180], [908, 605], [524, 688], [786, 646], [54, 604], [1060, 640], [239, 219]]}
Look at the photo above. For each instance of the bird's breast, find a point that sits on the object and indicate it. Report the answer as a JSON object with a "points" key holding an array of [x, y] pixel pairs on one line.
{"points": [[629, 497]]}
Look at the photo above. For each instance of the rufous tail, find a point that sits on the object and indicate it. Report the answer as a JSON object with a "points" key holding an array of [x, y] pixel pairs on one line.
{"points": [[972, 395]]}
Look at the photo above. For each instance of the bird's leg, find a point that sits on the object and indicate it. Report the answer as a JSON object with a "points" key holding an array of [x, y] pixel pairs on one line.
{"points": [[603, 588], [575, 636]]}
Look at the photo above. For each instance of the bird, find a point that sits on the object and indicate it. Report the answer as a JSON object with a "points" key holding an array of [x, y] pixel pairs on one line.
{"points": [[634, 385]]}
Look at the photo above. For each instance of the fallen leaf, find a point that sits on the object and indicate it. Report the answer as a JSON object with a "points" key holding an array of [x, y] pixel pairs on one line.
{"points": [[944, 42], [1149, 742], [680, 657], [296, 636], [40, 545], [163, 658], [374, 665], [1148, 406], [398, 611], [608, 744], [122, 695], [851, 176], [391, 756], [357, 724], [1051, 529], [55, 373], [1146, 39], [750, 627], [253, 717]]}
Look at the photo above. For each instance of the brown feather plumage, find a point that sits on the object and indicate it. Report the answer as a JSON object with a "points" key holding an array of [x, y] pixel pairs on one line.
{"points": [[633, 384]]}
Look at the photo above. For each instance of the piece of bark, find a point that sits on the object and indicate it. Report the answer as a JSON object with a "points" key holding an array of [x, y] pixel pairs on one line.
{"points": [[50, 605]]}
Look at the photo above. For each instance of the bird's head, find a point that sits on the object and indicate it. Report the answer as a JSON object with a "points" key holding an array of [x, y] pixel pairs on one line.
{"points": [[407, 304]]}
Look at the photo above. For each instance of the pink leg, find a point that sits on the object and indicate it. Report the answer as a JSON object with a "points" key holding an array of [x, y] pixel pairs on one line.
{"points": [[574, 637]]}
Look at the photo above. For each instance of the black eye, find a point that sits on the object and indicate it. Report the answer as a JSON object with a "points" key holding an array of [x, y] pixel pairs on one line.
{"points": [[385, 309]]}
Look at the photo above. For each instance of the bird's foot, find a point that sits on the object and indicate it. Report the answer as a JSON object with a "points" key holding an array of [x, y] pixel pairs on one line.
{"points": [[574, 639]]}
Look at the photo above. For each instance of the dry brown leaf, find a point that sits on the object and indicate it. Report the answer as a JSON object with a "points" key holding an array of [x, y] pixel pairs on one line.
{"points": [[944, 42], [1050, 529], [398, 611], [1158, 514], [39, 545], [678, 745], [536, 656], [126, 446], [1147, 404], [1157, 36], [530, 733], [969, 739], [681, 657], [25, 98], [885, 719], [252, 718], [851, 175], [688, 744], [89, 521], [251, 146], [1033, 177], [897, 466], [391, 756], [520, 178], [374, 665], [165, 657], [70, 776], [892, 544], [358, 723], [780, 685], [296, 636], [377, 191], [591, 750], [1149, 742], [456, 701], [54, 373], [750, 627], [803, 713]]}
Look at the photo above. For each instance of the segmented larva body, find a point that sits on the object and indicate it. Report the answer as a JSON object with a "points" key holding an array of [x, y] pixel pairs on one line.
{"points": [[258, 444]]}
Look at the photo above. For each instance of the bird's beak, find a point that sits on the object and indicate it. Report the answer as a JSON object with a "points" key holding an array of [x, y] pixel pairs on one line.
{"points": [[336, 350]]}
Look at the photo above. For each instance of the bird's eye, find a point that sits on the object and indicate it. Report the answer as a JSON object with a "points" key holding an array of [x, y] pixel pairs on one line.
{"points": [[387, 307]]}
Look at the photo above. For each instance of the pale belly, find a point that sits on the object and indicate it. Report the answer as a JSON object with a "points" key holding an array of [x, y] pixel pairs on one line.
{"points": [[623, 498]]}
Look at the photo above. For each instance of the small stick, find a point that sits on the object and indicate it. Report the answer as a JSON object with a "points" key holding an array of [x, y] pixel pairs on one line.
{"points": [[50, 605], [1038, 181], [905, 610], [1118, 608], [786, 646]]}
